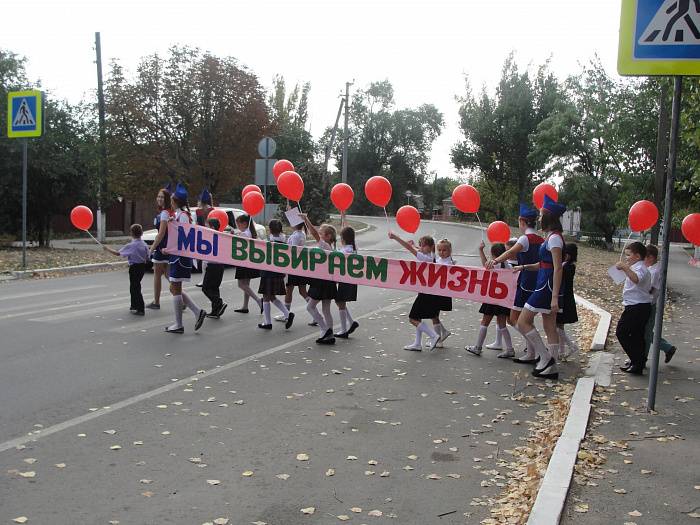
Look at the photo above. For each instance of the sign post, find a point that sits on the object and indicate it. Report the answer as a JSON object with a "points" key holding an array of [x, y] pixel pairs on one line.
{"points": [[24, 120], [661, 38], [266, 149]]}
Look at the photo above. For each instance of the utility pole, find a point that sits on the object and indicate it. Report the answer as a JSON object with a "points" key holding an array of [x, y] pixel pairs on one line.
{"points": [[103, 146], [344, 174], [661, 155]]}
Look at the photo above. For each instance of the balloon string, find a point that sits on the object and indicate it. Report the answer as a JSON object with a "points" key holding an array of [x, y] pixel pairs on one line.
{"points": [[625, 245], [90, 234], [480, 225], [388, 225]]}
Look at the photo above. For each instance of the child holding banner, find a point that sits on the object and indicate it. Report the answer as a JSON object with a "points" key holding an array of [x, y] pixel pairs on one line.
{"points": [[346, 292], [297, 238], [568, 315], [246, 228], [425, 306], [320, 290], [272, 284], [489, 311], [444, 256], [213, 275]]}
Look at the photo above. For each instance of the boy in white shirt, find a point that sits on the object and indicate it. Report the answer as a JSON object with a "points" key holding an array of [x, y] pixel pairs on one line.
{"points": [[636, 298]]}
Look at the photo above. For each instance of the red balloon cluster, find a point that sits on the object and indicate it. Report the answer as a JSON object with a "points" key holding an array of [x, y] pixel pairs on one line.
{"points": [[81, 217], [408, 219], [498, 231], [280, 167], [691, 228], [466, 198], [253, 203], [249, 188], [540, 191], [643, 215], [342, 196], [219, 215], [378, 191], [290, 185]]}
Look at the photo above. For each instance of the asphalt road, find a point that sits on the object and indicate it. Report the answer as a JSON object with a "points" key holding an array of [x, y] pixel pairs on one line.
{"points": [[122, 423]]}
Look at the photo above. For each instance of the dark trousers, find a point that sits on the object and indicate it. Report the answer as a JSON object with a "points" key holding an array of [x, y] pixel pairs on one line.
{"points": [[136, 272], [630, 332], [213, 276]]}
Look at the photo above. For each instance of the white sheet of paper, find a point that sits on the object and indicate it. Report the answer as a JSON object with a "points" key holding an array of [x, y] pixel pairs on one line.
{"points": [[617, 275], [293, 217]]}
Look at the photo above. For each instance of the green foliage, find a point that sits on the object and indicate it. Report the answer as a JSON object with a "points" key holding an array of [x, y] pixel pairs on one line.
{"points": [[497, 148]]}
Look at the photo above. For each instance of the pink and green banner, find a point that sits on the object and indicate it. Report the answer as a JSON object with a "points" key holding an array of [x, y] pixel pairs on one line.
{"points": [[462, 282]]}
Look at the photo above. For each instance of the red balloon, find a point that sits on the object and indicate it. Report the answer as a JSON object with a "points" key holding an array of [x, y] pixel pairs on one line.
{"points": [[378, 191], [691, 228], [221, 216], [81, 217], [342, 196], [466, 198], [291, 185], [253, 203], [280, 167], [249, 188], [408, 219], [643, 215], [498, 231], [540, 191]]}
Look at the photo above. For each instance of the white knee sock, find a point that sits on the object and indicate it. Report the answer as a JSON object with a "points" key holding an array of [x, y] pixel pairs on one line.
{"points": [[348, 317], [427, 329], [419, 337], [281, 307], [343, 321], [499, 340], [287, 305], [313, 312], [482, 336], [554, 350], [327, 315], [266, 312], [533, 336], [530, 352], [503, 335], [190, 304], [177, 304]]}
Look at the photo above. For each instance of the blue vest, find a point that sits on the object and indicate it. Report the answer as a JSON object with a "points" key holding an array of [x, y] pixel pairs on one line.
{"points": [[528, 278]]}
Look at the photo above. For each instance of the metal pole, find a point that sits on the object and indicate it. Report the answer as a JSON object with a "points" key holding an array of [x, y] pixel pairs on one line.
{"points": [[345, 133], [103, 146], [267, 162], [661, 301], [24, 204]]}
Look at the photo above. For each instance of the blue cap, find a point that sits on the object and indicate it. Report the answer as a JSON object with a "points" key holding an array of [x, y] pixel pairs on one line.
{"points": [[180, 192], [526, 212], [553, 206], [205, 197]]}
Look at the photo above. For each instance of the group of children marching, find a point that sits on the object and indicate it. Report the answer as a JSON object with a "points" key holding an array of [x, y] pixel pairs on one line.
{"points": [[546, 269]]}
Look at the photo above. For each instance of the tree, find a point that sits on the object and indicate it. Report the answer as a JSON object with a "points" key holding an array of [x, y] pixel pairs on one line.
{"points": [[497, 146], [190, 117], [602, 141], [394, 143]]}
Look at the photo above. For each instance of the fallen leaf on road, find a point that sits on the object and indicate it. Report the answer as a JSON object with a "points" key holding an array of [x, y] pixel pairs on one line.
{"points": [[60, 465], [351, 458], [21, 519], [247, 474], [28, 474], [308, 510], [283, 476], [356, 510], [220, 521], [147, 494], [434, 476], [582, 507], [635, 513], [330, 472], [375, 513], [343, 517], [146, 481], [115, 447], [213, 482], [302, 457], [31, 461]]}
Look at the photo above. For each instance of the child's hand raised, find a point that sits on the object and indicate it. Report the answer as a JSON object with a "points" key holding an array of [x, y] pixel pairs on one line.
{"points": [[482, 246]]}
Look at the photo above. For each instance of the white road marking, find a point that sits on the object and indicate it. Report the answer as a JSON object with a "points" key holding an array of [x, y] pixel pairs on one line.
{"points": [[13, 443]]}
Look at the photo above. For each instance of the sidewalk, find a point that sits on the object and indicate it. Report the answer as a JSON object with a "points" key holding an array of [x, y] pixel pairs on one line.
{"points": [[641, 468]]}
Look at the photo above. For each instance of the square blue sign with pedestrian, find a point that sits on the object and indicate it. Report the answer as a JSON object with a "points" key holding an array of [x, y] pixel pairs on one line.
{"points": [[24, 115], [667, 29]]}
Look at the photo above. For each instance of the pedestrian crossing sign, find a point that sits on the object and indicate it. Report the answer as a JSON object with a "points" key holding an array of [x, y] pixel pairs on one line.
{"points": [[659, 37], [24, 114]]}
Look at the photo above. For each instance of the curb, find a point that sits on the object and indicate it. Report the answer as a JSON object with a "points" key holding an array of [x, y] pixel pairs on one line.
{"points": [[601, 333], [551, 496], [46, 272]]}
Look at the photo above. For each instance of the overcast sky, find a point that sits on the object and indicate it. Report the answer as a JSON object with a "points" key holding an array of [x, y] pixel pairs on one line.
{"points": [[423, 47]]}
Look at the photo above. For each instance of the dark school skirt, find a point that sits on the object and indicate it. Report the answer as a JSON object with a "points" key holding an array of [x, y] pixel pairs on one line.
{"points": [[246, 273], [297, 280], [493, 309], [425, 306], [321, 290], [569, 315], [272, 284], [346, 292], [445, 303]]}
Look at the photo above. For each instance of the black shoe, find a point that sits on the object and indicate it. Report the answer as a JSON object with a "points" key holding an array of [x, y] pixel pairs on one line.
{"points": [[524, 361], [200, 320], [343, 335], [327, 338], [625, 366], [261, 309], [670, 354], [265, 326], [313, 323], [354, 326], [634, 370], [141, 312], [153, 306], [290, 320], [241, 310], [180, 330], [548, 372], [198, 285]]}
